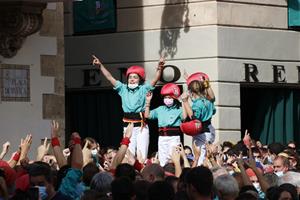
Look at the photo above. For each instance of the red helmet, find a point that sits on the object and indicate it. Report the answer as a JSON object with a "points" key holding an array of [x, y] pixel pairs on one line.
{"points": [[136, 70], [199, 76], [170, 89], [191, 128]]}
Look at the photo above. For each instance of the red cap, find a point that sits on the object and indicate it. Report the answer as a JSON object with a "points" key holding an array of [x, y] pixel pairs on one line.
{"points": [[199, 76], [191, 128], [136, 70], [170, 89], [9, 173]]}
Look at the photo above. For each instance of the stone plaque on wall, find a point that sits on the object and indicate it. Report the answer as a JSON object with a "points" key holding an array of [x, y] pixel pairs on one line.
{"points": [[15, 82]]}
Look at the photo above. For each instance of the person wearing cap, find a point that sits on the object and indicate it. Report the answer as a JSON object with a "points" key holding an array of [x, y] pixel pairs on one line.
{"points": [[133, 96], [201, 112], [169, 118]]}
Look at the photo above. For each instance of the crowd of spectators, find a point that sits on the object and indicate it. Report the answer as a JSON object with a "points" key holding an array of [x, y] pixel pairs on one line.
{"points": [[86, 171]]}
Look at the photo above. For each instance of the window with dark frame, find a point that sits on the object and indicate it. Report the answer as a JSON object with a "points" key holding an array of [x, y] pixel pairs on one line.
{"points": [[94, 16]]}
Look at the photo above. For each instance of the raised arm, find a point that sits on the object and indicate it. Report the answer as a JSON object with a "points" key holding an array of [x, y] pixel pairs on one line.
{"points": [[186, 105], [58, 153], [186, 163], [25, 146], [14, 159], [148, 102], [76, 155], [197, 154], [261, 179], [175, 157], [158, 73], [123, 148], [104, 71], [5, 148], [87, 154], [245, 177], [42, 150]]}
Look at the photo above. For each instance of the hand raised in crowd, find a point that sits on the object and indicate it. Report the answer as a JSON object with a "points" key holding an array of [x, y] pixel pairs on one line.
{"points": [[196, 150], [209, 150], [96, 61], [86, 153], [175, 156], [139, 156], [43, 150], [161, 63], [149, 96], [128, 131], [5, 148], [54, 129], [66, 152], [184, 96], [26, 143], [107, 165], [129, 158], [181, 150], [250, 162], [240, 162], [247, 139], [155, 159], [186, 163]]}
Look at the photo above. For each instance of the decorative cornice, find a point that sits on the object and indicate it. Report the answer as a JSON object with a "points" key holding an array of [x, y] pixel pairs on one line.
{"points": [[18, 19]]}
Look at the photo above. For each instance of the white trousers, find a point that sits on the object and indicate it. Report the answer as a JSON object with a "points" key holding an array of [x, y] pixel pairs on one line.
{"points": [[200, 141], [139, 141], [165, 147]]}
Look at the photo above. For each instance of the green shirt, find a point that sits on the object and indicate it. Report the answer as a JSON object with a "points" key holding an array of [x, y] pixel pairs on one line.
{"points": [[133, 100], [167, 116], [203, 109]]}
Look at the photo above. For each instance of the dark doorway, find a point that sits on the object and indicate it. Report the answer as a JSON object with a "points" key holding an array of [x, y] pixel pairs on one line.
{"points": [[271, 114], [95, 113]]}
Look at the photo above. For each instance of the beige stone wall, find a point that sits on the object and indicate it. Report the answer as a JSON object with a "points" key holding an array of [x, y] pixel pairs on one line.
{"points": [[53, 65]]}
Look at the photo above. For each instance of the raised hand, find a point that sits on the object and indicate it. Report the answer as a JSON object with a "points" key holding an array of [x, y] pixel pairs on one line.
{"points": [[128, 131], [149, 96], [87, 154], [247, 139], [184, 96], [130, 157], [175, 156], [139, 156], [26, 143], [43, 150], [66, 152], [54, 129], [196, 150], [155, 159], [181, 150], [161, 63], [96, 60], [5, 146]]}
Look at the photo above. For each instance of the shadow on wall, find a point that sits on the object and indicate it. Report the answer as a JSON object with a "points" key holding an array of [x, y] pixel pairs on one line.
{"points": [[174, 18]]}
